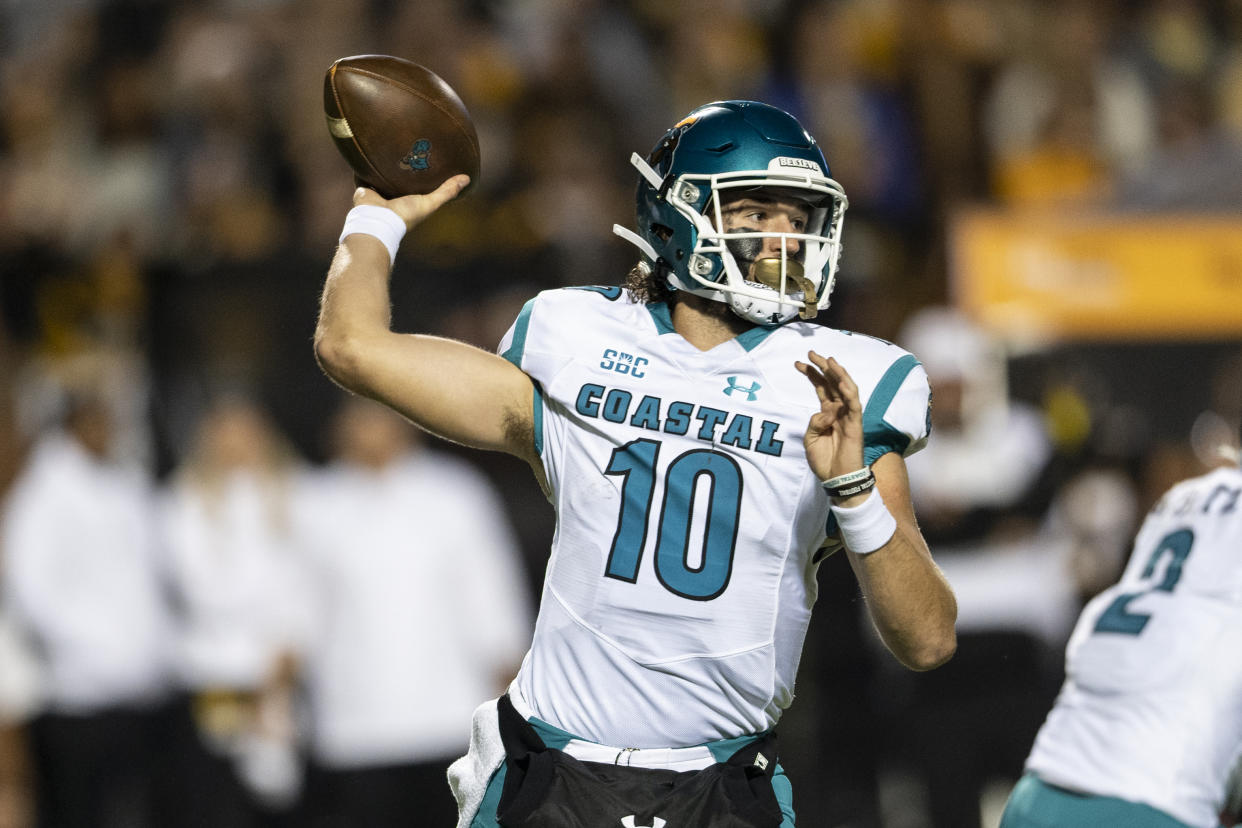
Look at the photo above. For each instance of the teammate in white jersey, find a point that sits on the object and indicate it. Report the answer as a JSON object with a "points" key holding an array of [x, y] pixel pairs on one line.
{"points": [[682, 426], [1148, 724]]}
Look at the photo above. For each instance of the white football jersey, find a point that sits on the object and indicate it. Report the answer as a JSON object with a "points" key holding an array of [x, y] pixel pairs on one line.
{"points": [[682, 571], [1151, 710]]}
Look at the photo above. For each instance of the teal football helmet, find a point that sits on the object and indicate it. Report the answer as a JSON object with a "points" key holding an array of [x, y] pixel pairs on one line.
{"points": [[718, 152]]}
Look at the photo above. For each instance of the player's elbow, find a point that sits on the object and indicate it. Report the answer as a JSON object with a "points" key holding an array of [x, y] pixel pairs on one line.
{"points": [[340, 356], [930, 651]]}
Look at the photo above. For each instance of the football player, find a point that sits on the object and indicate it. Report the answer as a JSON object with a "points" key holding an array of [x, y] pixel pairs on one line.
{"points": [[705, 444], [1148, 723]]}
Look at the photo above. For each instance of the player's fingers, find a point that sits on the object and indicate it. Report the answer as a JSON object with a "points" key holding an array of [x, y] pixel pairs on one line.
{"points": [[830, 384], [842, 376], [826, 420], [821, 423], [414, 208], [846, 388], [820, 362], [816, 379], [365, 195], [448, 191], [424, 205]]}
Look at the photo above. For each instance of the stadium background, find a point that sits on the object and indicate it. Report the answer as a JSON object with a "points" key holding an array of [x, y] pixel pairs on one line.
{"points": [[169, 201]]}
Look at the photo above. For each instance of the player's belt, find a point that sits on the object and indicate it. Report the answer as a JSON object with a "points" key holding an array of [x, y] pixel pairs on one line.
{"points": [[677, 759]]}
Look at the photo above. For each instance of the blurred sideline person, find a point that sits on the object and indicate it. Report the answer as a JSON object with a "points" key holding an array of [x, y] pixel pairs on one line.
{"points": [[977, 490], [1231, 812], [80, 576], [1148, 724], [228, 557], [19, 699], [990, 450], [420, 614], [683, 427]]}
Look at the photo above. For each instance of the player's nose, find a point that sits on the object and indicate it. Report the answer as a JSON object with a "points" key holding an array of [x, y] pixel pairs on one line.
{"points": [[775, 244]]}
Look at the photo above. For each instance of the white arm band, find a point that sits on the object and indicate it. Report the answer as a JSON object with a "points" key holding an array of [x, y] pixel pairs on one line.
{"points": [[867, 526], [378, 222]]}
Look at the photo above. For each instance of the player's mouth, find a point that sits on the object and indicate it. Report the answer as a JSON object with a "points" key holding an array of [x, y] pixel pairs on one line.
{"points": [[767, 272]]}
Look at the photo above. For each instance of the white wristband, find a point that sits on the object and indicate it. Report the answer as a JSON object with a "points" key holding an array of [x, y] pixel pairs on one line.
{"points": [[867, 526], [378, 222]]}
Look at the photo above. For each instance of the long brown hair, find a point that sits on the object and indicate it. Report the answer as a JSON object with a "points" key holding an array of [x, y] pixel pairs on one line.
{"points": [[645, 285]]}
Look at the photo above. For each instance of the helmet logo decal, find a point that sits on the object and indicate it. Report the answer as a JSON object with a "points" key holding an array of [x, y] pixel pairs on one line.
{"points": [[419, 156], [686, 121], [750, 391]]}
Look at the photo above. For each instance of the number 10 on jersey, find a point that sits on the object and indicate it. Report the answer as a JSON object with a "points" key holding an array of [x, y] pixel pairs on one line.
{"points": [[690, 475]]}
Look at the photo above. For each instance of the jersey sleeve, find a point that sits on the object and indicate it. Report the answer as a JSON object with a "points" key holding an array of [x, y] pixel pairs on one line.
{"points": [[538, 343], [532, 343], [897, 414]]}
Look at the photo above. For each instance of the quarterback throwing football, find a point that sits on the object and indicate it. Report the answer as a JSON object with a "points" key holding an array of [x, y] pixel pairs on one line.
{"points": [[705, 444]]}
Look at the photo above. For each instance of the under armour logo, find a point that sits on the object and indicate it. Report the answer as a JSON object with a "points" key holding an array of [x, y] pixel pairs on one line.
{"points": [[628, 822], [748, 391]]}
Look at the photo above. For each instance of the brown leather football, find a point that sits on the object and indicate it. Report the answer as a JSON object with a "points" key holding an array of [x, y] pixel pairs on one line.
{"points": [[402, 129]]}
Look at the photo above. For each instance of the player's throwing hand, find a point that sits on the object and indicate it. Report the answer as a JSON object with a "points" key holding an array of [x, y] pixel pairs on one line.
{"points": [[834, 435], [414, 208]]}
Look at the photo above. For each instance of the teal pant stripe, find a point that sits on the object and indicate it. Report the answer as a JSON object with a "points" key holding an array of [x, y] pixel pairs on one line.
{"points": [[784, 796], [1034, 804], [486, 817]]}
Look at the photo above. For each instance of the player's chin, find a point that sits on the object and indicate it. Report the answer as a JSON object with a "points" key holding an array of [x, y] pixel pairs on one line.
{"points": [[769, 294]]}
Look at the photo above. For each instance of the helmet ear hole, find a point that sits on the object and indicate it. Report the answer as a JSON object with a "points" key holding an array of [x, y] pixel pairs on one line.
{"points": [[663, 231]]}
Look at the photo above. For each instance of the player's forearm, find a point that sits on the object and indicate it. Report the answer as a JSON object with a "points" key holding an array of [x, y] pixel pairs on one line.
{"points": [[354, 309], [910, 601]]}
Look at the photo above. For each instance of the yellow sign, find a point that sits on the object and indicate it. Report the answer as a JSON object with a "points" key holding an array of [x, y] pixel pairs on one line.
{"points": [[1044, 276]]}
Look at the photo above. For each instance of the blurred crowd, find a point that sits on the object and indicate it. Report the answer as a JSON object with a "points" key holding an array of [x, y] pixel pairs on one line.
{"points": [[251, 641], [169, 201]]}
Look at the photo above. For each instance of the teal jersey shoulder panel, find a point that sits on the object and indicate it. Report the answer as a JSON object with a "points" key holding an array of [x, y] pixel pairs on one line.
{"points": [[751, 339], [879, 437], [514, 353], [518, 346], [662, 317], [538, 415]]}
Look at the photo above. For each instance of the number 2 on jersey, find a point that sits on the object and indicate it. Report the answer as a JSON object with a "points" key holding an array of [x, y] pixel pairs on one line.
{"points": [[636, 463], [1118, 618]]}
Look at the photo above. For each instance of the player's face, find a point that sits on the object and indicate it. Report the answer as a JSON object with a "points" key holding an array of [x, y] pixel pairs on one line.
{"points": [[764, 213], [767, 214]]}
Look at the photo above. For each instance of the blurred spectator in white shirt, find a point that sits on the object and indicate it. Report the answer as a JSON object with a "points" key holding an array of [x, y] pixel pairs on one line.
{"points": [[19, 699], [422, 612], [81, 583], [227, 538]]}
